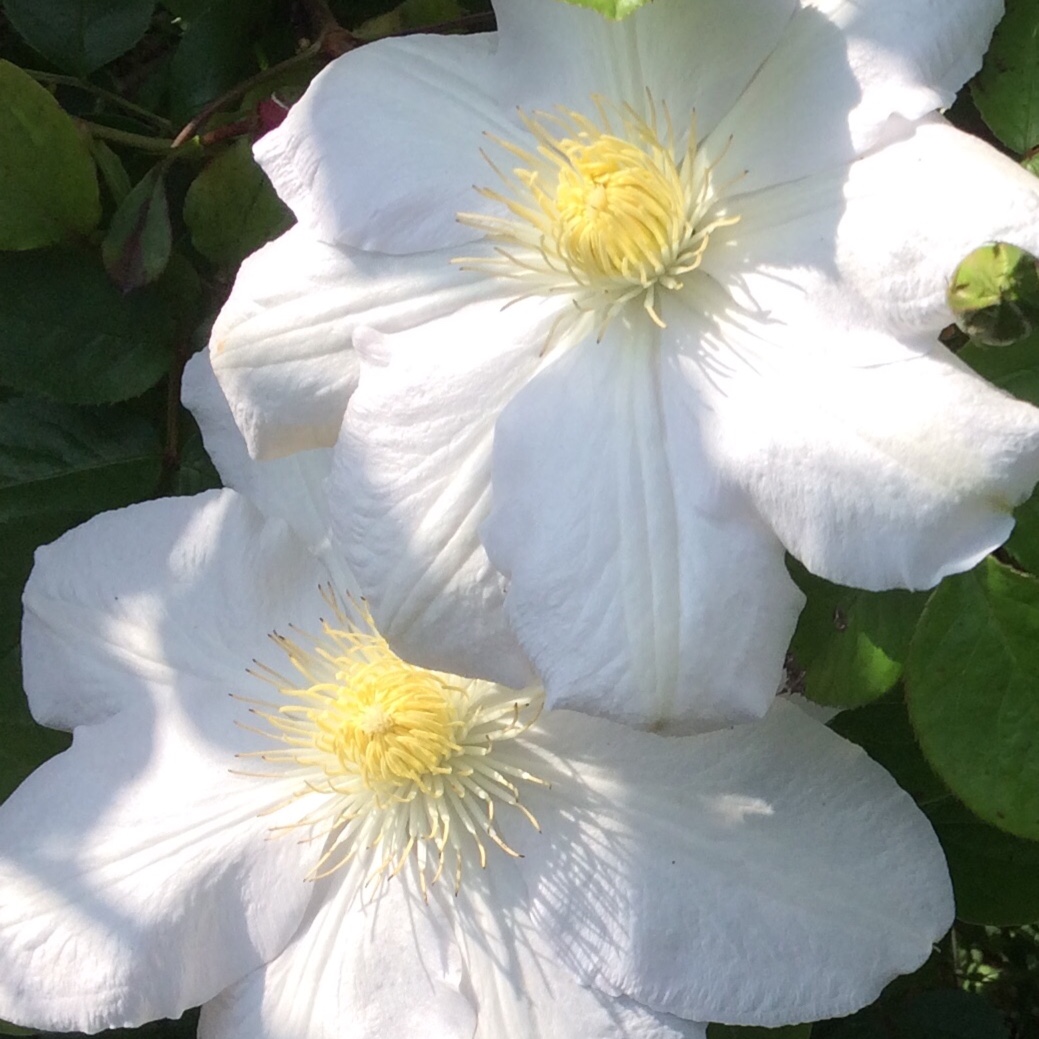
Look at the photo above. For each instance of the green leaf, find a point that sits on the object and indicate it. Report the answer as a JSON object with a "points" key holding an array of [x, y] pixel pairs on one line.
{"points": [[995, 876], [1023, 544], [409, 16], [231, 208], [67, 332], [24, 745], [1006, 90], [994, 294], [947, 1014], [80, 35], [615, 9], [55, 458], [6, 1028], [973, 693], [48, 187], [137, 246], [112, 170], [215, 53], [850, 643], [1013, 368], [195, 472], [882, 729], [733, 1032]]}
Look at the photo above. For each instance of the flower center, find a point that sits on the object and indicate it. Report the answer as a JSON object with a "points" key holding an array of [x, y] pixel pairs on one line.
{"points": [[605, 212], [400, 763]]}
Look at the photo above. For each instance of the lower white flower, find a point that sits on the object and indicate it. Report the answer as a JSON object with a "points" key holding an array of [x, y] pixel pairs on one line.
{"points": [[342, 845]]}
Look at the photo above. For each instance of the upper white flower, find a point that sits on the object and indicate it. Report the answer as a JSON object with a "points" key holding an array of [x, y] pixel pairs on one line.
{"points": [[687, 319], [314, 839]]}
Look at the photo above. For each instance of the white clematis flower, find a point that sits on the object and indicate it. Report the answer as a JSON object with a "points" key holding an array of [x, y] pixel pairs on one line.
{"points": [[687, 320], [339, 844]]}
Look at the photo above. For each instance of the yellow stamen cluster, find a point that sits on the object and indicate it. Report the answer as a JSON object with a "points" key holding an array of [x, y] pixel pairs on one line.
{"points": [[605, 211], [401, 764]]}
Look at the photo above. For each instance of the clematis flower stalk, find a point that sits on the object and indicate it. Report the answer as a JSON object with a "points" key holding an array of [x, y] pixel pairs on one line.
{"points": [[686, 320], [265, 811]]}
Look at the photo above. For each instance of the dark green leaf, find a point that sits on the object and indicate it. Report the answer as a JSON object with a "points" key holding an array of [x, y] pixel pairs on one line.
{"points": [[55, 458], [995, 875], [947, 1014], [67, 332], [195, 472], [137, 246], [112, 170], [1013, 368], [231, 208], [214, 54], [882, 729], [1006, 90], [733, 1032], [48, 187], [850, 643], [24, 745], [80, 35], [972, 680], [6, 1028]]}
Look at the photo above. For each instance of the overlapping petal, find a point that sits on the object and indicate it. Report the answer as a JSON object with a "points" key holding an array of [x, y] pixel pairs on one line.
{"points": [[282, 345], [700, 875], [610, 525], [878, 463], [411, 483]]}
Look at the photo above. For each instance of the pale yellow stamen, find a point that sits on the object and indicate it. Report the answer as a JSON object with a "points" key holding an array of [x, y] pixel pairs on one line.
{"points": [[606, 211], [401, 763]]}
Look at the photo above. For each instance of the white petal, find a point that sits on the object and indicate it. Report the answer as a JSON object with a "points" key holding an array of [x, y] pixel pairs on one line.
{"points": [[281, 347], [520, 987], [137, 876], [878, 463], [639, 587], [119, 610], [846, 77], [291, 488], [383, 149], [687, 55], [411, 483], [382, 967], [764, 875], [877, 244]]}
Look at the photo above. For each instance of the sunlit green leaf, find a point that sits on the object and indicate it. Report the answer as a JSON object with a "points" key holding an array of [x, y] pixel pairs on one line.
{"points": [[1013, 368], [56, 457], [1006, 90], [67, 332], [972, 680], [48, 187], [137, 246], [611, 8], [80, 35], [231, 208], [995, 294], [850, 643]]}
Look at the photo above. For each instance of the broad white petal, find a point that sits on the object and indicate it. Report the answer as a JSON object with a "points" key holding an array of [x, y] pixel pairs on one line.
{"points": [[846, 77], [762, 875], [291, 488], [875, 245], [378, 967], [281, 346], [138, 876], [411, 483], [518, 983], [690, 56], [879, 463], [382, 150], [125, 608], [639, 586]]}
